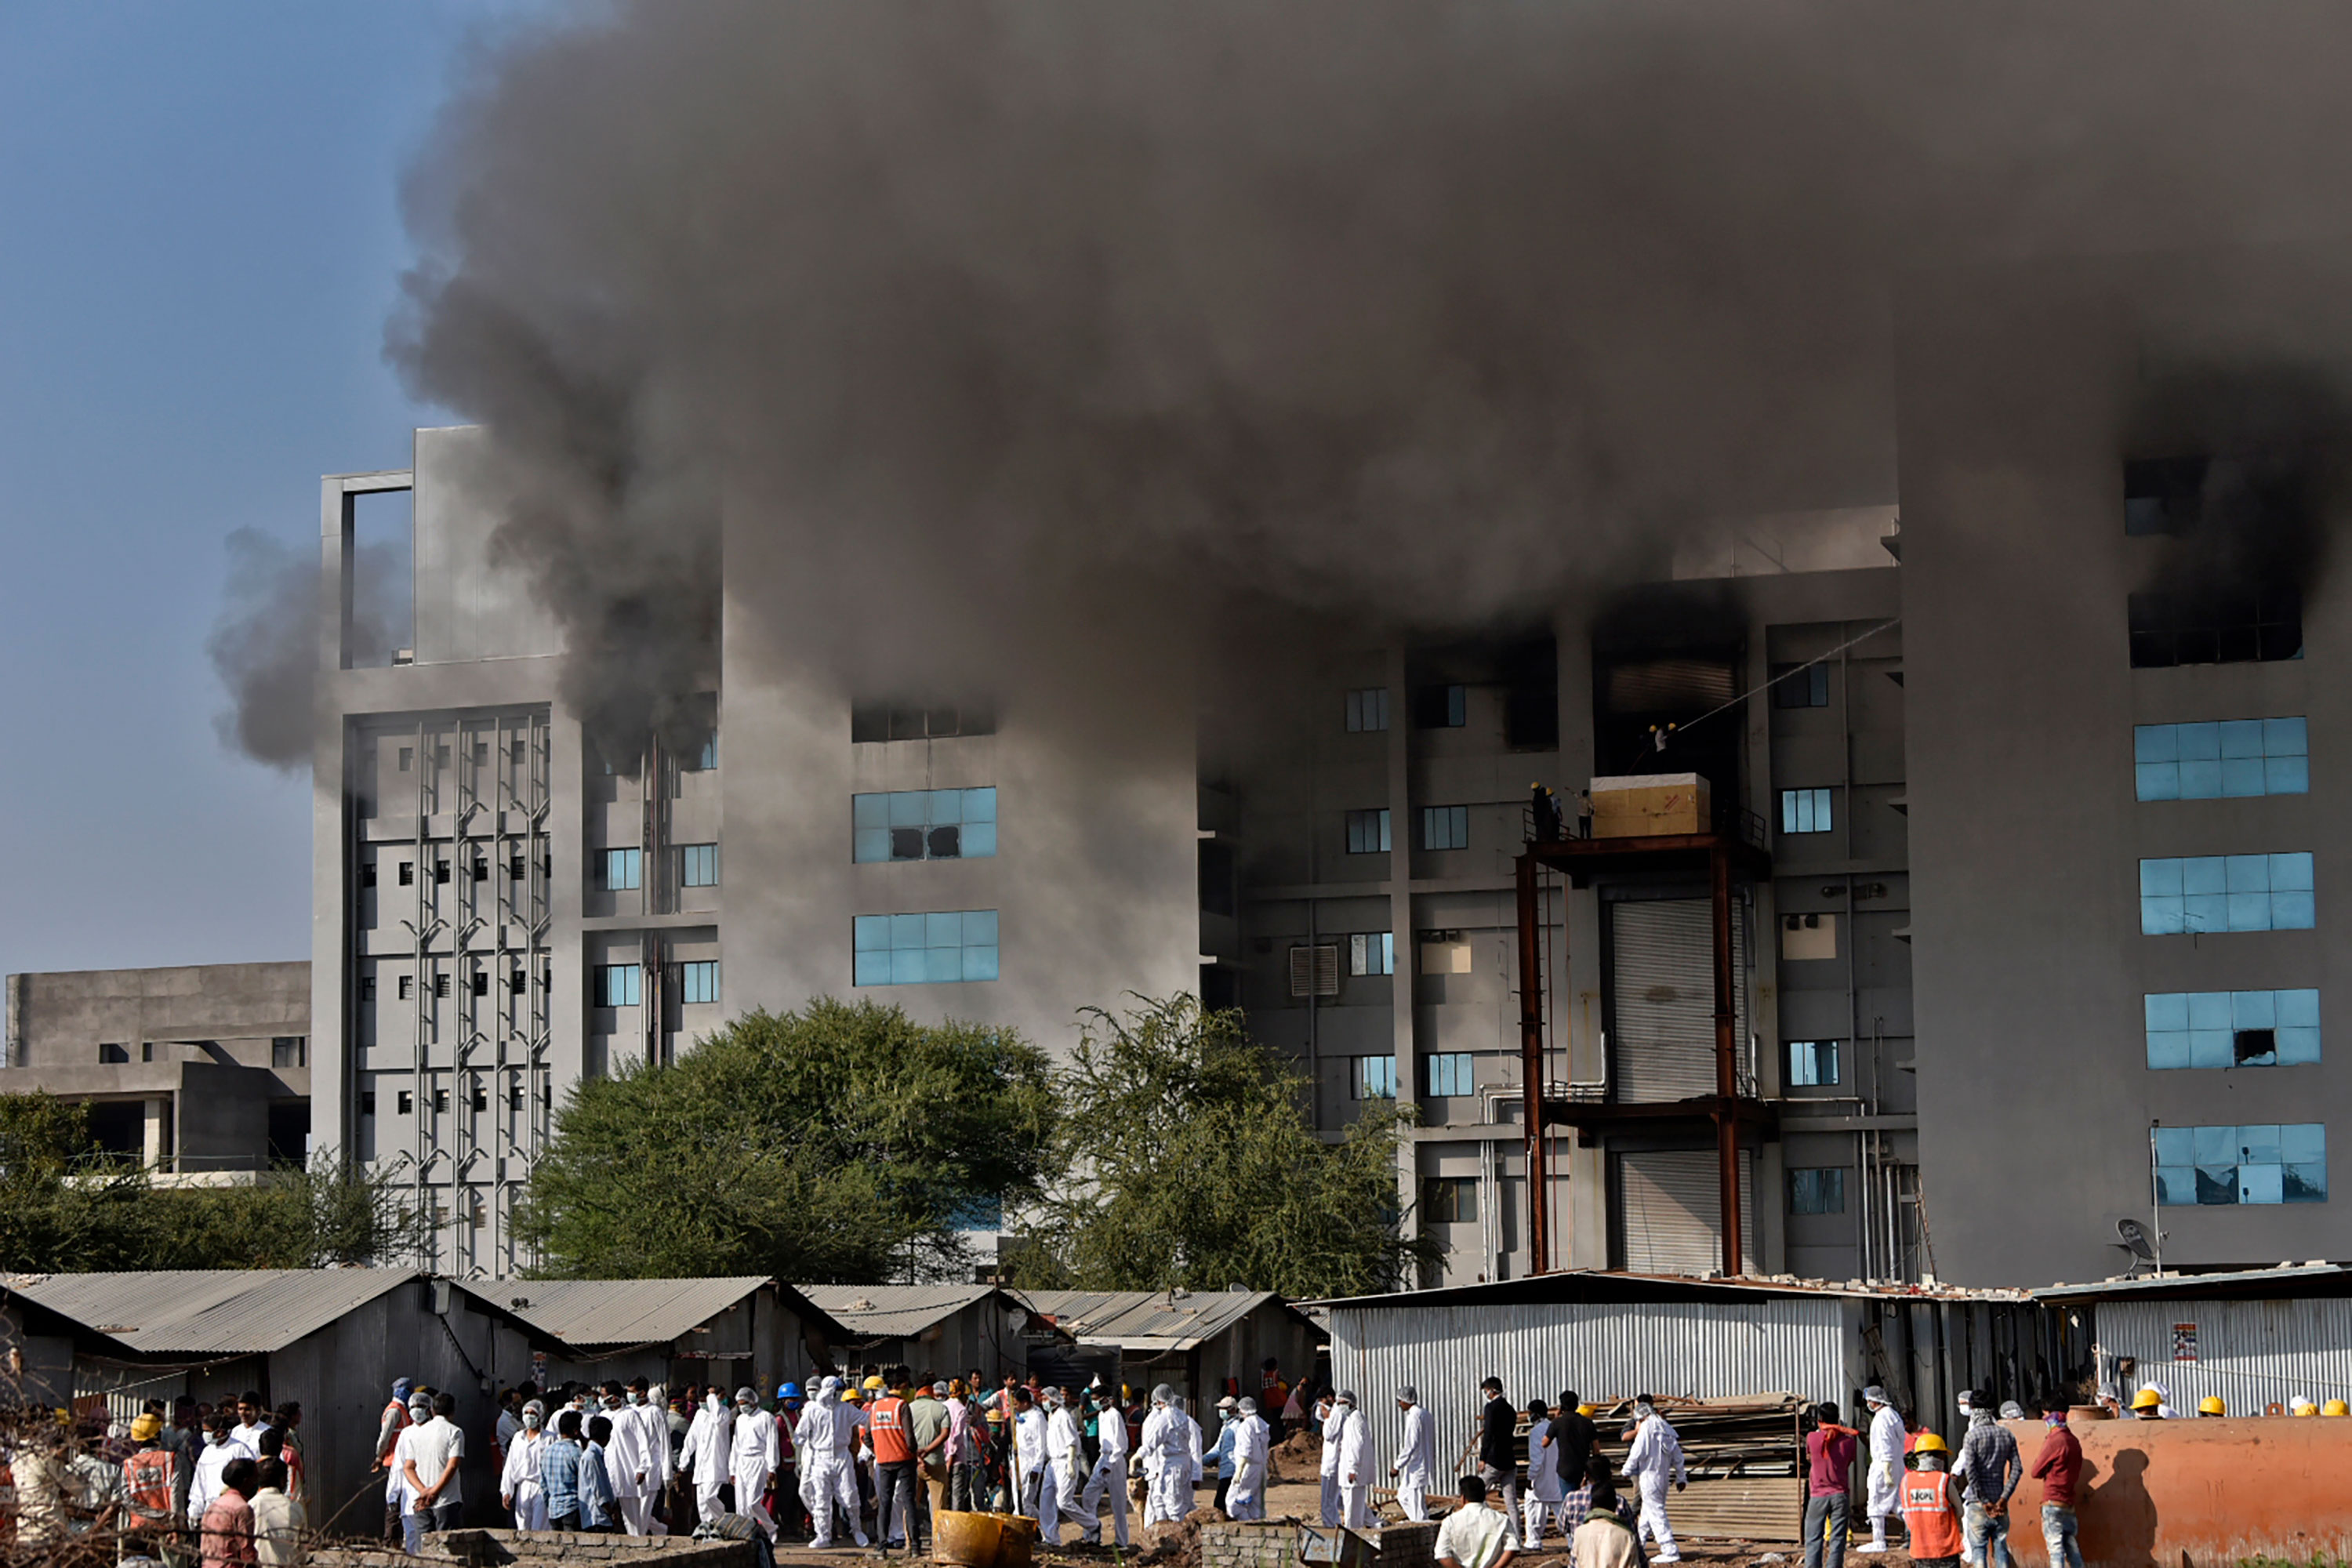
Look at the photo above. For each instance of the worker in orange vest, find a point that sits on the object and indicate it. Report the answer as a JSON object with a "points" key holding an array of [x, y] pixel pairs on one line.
{"points": [[894, 1464], [1930, 1512]]}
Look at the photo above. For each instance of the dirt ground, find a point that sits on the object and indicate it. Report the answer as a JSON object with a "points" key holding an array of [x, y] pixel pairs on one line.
{"points": [[1293, 1499]]}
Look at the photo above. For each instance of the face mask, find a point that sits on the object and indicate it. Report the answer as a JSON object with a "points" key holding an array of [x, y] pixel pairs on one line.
{"points": [[530, 1421], [635, 1399], [611, 1401]]}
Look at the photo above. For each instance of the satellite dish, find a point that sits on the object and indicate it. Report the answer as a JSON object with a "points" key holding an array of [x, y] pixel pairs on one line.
{"points": [[2133, 1238]]}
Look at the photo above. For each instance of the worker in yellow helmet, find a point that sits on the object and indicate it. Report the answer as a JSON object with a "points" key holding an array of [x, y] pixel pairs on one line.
{"points": [[2211, 1406], [2335, 1407], [2299, 1406], [1931, 1511], [2148, 1404]]}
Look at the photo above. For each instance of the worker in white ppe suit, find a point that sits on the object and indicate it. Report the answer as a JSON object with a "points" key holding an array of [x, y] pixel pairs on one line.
{"points": [[1065, 1457], [1194, 1447], [1885, 1465], [652, 1409], [821, 1440], [520, 1487], [1031, 1476], [1416, 1460], [1245, 1498], [634, 1470], [1109, 1480], [1355, 1468], [710, 1446], [1335, 1428], [1655, 1463], [752, 1457], [1164, 1454]]}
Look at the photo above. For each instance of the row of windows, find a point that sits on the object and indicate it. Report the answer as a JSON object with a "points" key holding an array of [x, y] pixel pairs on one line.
{"points": [[1442, 827], [623, 870], [478, 984], [923, 824], [405, 1101], [924, 949], [1447, 1073], [908, 721], [2231, 759], [623, 984], [518, 750], [699, 757], [1434, 707], [2245, 1165], [405, 871], [2225, 893], [2233, 1028]]}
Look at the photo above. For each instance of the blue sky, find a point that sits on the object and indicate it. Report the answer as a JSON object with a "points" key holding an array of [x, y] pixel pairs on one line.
{"points": [[199, 243]]}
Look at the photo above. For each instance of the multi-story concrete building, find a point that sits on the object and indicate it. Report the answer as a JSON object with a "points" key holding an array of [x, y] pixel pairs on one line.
{"points": [[2115, 763], [202, 1072]]}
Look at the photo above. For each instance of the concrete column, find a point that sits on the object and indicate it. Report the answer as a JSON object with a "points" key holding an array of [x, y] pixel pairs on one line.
{"points": [[1401, 986]]}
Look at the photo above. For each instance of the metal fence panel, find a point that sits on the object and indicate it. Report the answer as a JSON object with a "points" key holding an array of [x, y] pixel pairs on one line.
{"points": [[1604, 1350], [2251, 1354]]}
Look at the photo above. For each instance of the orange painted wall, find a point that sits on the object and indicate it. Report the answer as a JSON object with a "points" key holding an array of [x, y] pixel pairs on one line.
{"points": [[2196, 1493]]}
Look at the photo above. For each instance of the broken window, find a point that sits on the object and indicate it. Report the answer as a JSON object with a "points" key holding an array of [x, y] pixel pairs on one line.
{"points": [[2220, 625], [1441, 707], [2233, 1028], [923, 824], [909, 722]]}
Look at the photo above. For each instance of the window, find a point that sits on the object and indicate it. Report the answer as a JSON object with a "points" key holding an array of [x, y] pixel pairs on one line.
{"points": [[407, 986], [2165, 495], [481, 981], [113, 1056], [1813, 1063], [288, 1051], [481, 867], [367, 987], [1368, 831], [1373, 952], [518, 868], [926, 948], [1441, 707], [407, 873], [517, 981], [2220, 625], [481, 1094], [701, 757], [405, 1104], [1451, 1200], [697, 982], [1817, 1190], [519, 750], [923, 824], [623, 869], [2213, 762], [481, 753], [1445, 827], [619, 985], [2259, 1164], [2226, 892], [441, 984], [367, 875], [698, 865], [441, 873], [367, 1102], [147, 1047], [1804, 811], [441, 1096], [1375, 1079], [1800, 686], [2233, 1028], [1368, 710], [1450, 1073], [899, 722], [514, 1094], [408, 758]]}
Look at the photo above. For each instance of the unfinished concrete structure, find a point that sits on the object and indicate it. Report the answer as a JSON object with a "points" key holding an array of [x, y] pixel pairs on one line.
{"points": [[201, 1072]]}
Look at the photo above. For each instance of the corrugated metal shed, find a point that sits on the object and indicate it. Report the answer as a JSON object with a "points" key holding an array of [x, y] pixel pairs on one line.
{"points": [[2250, 1353], [209, 1312], [2245, 1285], [1153, 1322], [898, 1312], [594, 1314]]}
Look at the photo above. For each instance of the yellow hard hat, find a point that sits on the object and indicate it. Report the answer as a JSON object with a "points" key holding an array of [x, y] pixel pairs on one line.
{"points": [[1588, 1410], [2146, 1399], [2335, 1407], [2211, 1406], [2299, 1406], [853, 1394], [874, 1385], [1929, 1443]]}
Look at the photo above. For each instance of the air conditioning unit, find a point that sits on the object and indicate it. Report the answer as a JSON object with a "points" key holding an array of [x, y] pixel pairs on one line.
{"points": [[1314, 971]]}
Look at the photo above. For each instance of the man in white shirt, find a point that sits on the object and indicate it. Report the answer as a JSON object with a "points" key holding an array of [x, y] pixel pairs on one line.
{"points": [[1474, 1535], [1029, 1466], [220, 1447], [651, 1410], [252, 1421], [1334, 1416], [430, 1466], [279, 1520], [634, 1467], [1355, 1469], [1416, 1458]]}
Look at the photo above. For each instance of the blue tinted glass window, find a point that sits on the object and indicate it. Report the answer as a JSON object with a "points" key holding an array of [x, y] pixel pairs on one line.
{"points": [[932, 949], [923, 824], [618, 985], [698, 982], [2226, 893], [1805, 811], [2236, 757], [2249, 1163], [623, 869], [698, 865], [2231, 1029]]}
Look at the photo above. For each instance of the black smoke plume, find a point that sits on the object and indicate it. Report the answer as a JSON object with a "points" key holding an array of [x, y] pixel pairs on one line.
{"points": [[1405, 312]]}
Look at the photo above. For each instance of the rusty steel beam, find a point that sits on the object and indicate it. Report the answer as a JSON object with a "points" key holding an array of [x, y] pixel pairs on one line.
{"points": [[1532, 1066]]}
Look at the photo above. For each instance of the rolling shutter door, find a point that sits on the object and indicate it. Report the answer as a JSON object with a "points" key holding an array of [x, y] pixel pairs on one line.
{"points": [[1662, 959], [1671, 1211]]}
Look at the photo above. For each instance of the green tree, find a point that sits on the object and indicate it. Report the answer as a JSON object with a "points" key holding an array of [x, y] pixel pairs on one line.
{"points": [[1189, 1162], [839, 1143]]}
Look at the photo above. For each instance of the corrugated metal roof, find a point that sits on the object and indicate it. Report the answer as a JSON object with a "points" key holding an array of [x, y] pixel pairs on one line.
{"points": [[896, 1311], [1157, 1321], [593, 1313], [1621, 1285], [206, 1312], [2309, 1278]]}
